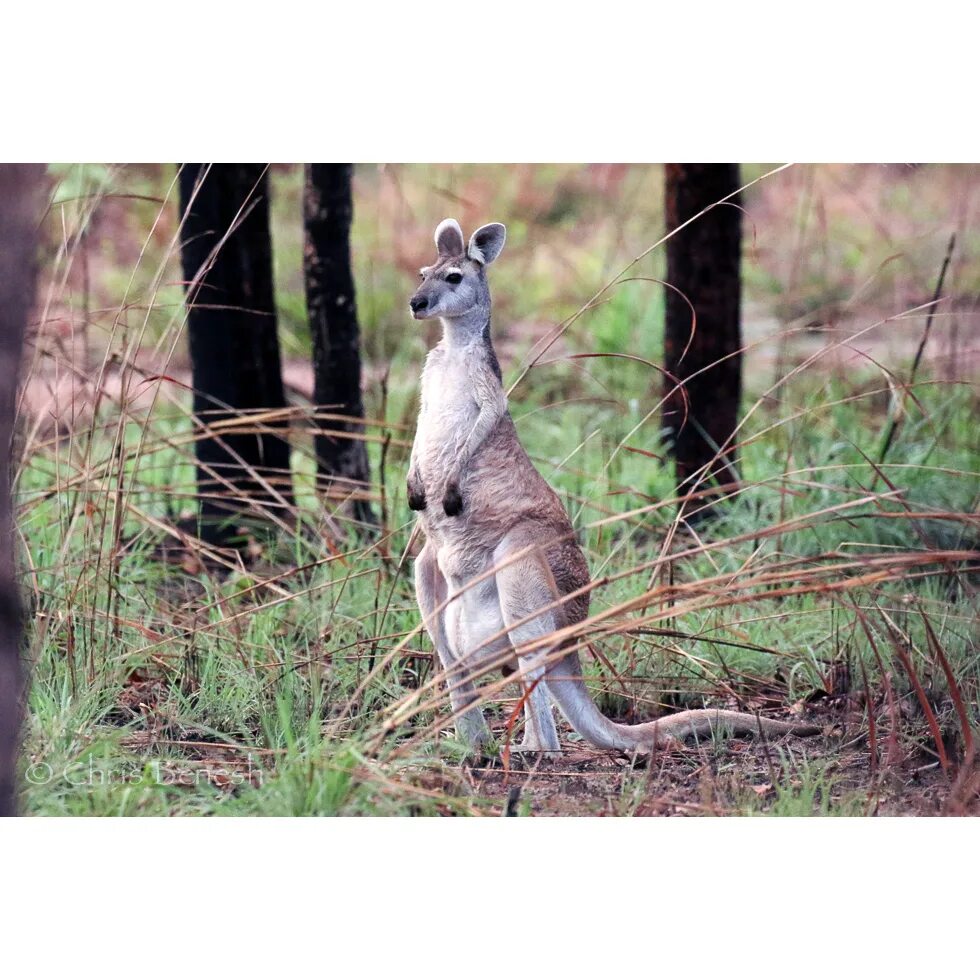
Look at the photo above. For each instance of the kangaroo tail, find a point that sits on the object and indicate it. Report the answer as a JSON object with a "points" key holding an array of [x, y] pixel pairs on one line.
{"points": [[566, 686]]}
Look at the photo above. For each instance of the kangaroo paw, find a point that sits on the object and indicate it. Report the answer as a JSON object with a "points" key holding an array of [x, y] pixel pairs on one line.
{"points": [[531, 747], [452, 502], [416, 492]]}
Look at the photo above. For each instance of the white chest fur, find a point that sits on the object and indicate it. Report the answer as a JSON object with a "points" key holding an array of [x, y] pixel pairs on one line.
{"points": [[449, 410]]}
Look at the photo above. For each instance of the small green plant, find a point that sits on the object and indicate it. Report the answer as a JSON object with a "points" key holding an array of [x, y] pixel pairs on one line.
{"points": [[806, 788]]}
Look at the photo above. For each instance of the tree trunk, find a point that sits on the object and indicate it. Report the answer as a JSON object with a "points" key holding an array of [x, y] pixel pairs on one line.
{"points": [[20, 187], [342, 463], [226, 252], [703, 263]]}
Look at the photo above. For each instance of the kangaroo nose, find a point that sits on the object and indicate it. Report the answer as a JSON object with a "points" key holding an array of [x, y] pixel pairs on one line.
{"points": [[418, 304]]}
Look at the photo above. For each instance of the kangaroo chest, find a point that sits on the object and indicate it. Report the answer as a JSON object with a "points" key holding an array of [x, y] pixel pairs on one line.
{"points": [[449, 411]]}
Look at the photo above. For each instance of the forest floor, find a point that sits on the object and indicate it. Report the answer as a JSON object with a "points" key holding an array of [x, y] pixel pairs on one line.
{"points": [[831, 774]]}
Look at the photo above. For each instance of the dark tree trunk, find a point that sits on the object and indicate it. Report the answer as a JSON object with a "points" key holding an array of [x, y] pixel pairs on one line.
{"points": [[226, 251], [20, 187], [342, 463], [703, 262]]}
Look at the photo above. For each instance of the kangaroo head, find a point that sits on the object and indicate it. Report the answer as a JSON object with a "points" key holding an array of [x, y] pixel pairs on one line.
{"points": [[456, 284]]}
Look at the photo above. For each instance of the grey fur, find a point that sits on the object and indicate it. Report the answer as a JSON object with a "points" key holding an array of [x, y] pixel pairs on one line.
{"points": [[487, 243]]}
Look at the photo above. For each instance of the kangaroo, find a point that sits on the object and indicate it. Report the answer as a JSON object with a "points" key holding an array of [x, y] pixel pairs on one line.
{"points": [[484, 508]]}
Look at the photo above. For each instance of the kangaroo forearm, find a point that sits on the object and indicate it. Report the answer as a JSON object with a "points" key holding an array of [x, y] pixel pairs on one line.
{"points": [[474, 440], [415, 486], [490, 415]]}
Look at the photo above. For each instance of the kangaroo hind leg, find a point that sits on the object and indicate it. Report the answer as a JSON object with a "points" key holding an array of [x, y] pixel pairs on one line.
{"points": [[527, 589], [431, 590]]}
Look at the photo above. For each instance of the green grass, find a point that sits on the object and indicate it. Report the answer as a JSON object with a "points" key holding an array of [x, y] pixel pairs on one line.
{"points": [[810, 791], [264, 689], [236, 664]]}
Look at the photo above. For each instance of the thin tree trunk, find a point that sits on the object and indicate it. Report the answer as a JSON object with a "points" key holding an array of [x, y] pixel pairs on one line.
{"points": [[342, 463], [226, 252], [703, 263], [20, 187]]}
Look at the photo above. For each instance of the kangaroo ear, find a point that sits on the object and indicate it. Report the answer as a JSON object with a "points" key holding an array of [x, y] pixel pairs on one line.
{"points": [[449, 238], [487, 243]]}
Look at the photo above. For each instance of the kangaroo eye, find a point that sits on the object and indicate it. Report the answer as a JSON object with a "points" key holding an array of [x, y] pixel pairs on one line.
{"points": [[454, 278]]}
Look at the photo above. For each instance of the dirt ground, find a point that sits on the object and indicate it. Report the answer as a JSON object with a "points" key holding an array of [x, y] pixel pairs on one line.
{"points": [[737, 778]]}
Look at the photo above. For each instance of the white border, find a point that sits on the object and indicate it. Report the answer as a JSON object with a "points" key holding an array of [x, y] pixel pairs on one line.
{"points": [[505, 81], [460, 899]]}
